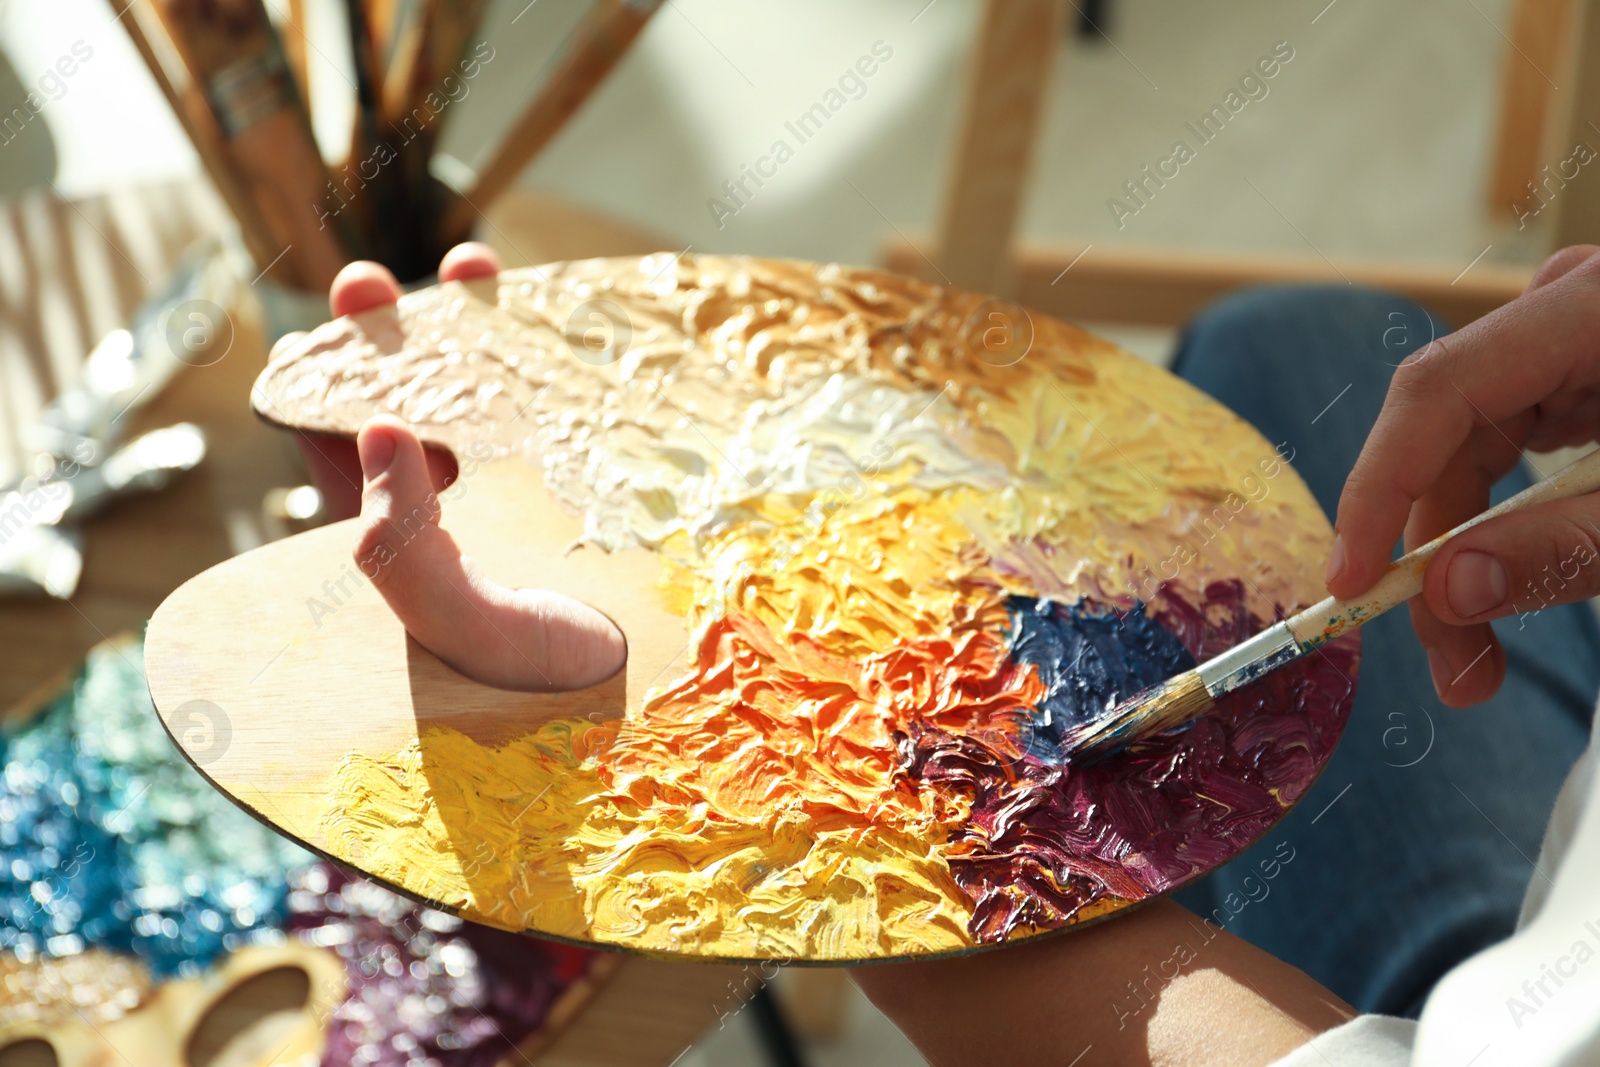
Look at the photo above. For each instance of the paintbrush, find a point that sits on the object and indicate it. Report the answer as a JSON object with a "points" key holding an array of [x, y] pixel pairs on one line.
{"points": [[375, 207], [198, 123], [594, 47], [234, 56], [403, 47], [293, 35], [1191, 694], [425, 76]]}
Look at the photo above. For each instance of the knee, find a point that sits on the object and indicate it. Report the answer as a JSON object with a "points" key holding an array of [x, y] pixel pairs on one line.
{"points": [[1265, 322]]}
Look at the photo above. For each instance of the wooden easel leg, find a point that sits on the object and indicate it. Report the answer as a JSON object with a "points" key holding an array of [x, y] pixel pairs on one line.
{"points": [[1571, 181], [1533, 66], [776, 1037], [1007, 84], [814, 1000]]}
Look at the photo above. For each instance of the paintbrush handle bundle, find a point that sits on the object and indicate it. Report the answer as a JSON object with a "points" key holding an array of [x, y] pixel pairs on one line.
{"points": [[207, 140], [235, 60], [241, 91], [596, 46]]}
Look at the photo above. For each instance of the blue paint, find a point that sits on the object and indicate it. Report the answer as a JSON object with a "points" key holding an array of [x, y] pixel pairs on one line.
{"points": [[108, 839], [1090, 659]]}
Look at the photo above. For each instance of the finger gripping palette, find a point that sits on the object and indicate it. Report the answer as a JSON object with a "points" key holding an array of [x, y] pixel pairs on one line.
{"points": [[874, 544]]}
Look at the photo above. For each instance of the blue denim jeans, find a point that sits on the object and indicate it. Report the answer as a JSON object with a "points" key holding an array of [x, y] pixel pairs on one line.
{"points": [[1414, 848]]}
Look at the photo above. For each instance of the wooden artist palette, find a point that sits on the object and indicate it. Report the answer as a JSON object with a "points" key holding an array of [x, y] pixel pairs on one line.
{"points": [[873, 544]]}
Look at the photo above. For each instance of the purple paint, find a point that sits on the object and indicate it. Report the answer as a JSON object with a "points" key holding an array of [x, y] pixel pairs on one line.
{"points": [[1046, 840], [425, 987]]}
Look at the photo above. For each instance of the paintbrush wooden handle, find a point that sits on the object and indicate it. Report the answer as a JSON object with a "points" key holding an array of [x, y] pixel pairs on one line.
{"points": [[234, 56], [1323, 622], [595, 47], [198, 123]]}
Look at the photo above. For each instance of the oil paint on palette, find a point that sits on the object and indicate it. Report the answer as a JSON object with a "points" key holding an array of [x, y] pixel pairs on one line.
{"points": [[131, 893], [904, 536]]}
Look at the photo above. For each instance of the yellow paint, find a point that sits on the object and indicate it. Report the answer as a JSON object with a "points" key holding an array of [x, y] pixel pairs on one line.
{"points": [[752, 802]]}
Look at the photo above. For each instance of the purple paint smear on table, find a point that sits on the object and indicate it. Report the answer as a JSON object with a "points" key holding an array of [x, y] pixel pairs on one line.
{"points": [[425, 988]]}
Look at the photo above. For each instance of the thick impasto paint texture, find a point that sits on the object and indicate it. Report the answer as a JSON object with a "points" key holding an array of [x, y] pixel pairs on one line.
{"points": [[914, 535]]}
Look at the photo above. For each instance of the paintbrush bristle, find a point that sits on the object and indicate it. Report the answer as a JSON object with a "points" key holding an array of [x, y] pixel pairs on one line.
{"points": [[1152, 711], [1175, 703]]}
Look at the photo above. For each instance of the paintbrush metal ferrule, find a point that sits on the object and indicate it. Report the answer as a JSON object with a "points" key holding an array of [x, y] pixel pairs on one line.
{"points": [[1249, 660]]}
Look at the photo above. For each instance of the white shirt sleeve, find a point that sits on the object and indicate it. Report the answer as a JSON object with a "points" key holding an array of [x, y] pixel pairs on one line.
{"points": [[1365, 1041], [1533, 1000]]}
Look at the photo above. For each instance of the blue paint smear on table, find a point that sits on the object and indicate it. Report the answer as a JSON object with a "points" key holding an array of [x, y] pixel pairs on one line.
{"points": [[109, 839]]}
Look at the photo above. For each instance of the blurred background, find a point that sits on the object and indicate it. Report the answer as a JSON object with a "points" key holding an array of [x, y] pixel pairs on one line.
{"points": [[1024, 148]]}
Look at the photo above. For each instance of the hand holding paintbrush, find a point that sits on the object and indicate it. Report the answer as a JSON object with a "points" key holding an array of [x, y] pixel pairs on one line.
{"points": [[1184, 698]]}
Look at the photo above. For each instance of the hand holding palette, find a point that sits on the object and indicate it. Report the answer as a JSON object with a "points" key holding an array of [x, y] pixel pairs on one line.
{"points": [[875, 545]]}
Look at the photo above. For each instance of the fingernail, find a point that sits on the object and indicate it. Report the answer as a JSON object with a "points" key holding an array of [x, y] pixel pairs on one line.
{"points": [[1439, 667], [377, 452], [1476, 583], [1336, 557]]}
